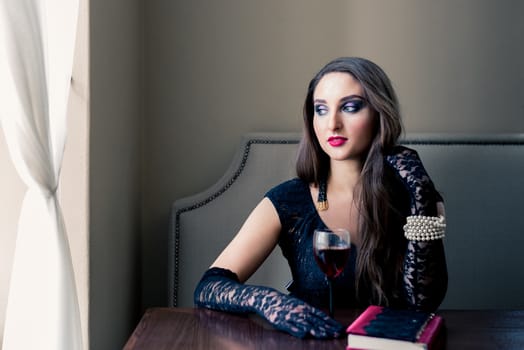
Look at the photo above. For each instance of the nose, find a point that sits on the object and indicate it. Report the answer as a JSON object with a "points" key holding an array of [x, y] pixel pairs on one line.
{"points": [[334, 121]]}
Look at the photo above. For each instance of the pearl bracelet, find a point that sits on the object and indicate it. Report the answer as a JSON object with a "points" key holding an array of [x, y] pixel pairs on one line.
{"points": [[425, 228]]}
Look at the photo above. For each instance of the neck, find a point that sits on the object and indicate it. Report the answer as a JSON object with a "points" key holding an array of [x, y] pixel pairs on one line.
{"points": [[343, 178], [344, 175]]}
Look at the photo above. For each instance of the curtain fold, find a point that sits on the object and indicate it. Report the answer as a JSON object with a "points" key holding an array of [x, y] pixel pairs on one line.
{"points": [[36, 59]]}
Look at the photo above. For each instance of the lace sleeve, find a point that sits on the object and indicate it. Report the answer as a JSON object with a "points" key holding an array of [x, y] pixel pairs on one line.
{"points": [[220, 289], [425, 271], [425, 274]]}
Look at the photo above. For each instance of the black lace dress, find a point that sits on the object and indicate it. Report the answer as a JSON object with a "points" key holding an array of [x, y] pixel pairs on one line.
{"points": [[299, 218]]}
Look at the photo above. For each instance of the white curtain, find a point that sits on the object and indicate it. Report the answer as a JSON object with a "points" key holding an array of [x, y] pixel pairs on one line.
{"points": [[36, 59]]}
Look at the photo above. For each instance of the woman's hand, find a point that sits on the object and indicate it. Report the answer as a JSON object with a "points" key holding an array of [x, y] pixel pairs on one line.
{"points": [[220, 289], [294, 316]]}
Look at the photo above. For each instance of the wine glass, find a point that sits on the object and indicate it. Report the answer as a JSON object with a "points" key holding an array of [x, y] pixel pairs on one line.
{"points": [[331, 248]]}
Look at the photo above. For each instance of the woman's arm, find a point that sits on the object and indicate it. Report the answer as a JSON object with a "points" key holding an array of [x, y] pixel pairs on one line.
{"points": [[255, 240], [222, 287], [425, 270], [425, 274]]}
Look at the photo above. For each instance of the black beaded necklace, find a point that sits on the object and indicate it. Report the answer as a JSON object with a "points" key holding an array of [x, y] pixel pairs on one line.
{"points": [[322, 202]]}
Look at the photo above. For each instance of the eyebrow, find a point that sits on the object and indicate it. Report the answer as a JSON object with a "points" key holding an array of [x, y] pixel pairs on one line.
{"points": [[352, 97], [343, 99]]}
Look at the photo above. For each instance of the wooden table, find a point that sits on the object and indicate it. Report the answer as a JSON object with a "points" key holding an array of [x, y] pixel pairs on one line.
{"points": [[187, 328]]}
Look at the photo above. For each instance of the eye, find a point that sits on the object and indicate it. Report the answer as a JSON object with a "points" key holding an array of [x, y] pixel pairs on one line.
{"points": [[352, 106], [320, 110]]}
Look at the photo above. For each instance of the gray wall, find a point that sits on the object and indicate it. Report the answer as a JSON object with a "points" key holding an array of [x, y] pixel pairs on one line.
{"points": [[115, 56], [217, 69]]}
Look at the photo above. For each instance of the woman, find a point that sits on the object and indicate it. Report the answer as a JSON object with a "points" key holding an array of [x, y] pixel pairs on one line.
{"points": [[351, 174]]}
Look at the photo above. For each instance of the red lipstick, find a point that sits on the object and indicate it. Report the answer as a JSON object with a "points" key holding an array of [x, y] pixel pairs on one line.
{"points": [[337, 141]]}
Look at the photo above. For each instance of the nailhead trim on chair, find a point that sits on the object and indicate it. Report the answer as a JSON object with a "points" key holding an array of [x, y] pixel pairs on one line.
{"points": [[200, 204]]}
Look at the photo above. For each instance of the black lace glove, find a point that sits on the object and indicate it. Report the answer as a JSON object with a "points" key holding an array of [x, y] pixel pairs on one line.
{"points": [[410, 170], [425, 270], [220, 289]]}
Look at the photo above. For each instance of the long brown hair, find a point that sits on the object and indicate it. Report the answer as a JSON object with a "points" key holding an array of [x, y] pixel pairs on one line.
{"points": [[379, 261]]}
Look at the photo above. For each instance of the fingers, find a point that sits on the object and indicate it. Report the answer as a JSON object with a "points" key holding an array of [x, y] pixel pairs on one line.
{"points": [[323, 326], [311, 322], [300, 319]]}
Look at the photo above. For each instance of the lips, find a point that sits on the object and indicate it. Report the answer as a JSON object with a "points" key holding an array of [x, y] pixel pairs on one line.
{"points": [[337, 141]]}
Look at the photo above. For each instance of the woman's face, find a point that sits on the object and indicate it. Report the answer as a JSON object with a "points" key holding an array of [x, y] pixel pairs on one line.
{"points": [[343, 121]]}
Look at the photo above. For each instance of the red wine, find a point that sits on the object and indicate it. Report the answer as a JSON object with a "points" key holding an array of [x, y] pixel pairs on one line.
{"points": [[332, 260]]}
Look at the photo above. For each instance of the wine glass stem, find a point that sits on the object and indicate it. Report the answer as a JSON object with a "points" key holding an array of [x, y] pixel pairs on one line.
{"points": [[330, 284]]}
